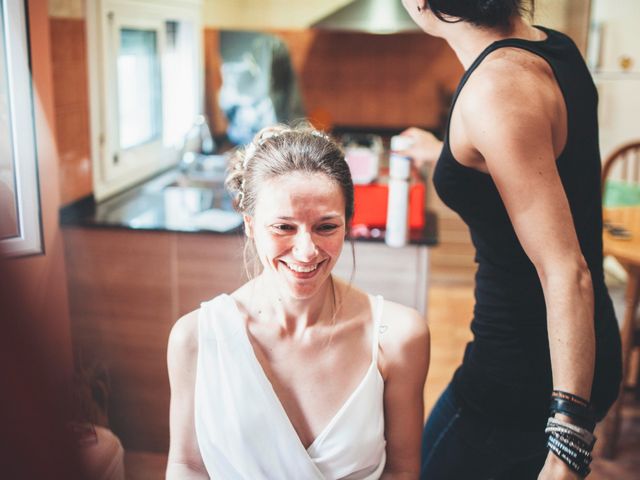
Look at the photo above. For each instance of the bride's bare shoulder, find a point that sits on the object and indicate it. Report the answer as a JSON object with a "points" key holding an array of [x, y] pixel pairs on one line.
{"points": [[183, 338]]}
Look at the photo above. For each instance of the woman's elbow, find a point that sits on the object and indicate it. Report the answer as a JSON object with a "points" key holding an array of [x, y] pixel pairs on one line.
{"points": [[571, 271]]}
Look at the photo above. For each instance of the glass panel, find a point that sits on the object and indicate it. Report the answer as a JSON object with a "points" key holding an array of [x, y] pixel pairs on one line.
{"points": [[259, 85], [139, 87], [8, 205], [180, 71]]}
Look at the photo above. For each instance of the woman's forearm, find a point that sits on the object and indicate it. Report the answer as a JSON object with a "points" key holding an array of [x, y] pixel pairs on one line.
{"points": [[570, 321]]}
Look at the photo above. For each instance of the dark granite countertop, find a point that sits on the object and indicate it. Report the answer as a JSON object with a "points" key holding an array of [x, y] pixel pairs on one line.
{"points": [[162, 204]]}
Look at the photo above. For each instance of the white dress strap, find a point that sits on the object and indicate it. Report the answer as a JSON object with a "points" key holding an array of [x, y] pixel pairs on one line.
{"points": [[377, 319]]}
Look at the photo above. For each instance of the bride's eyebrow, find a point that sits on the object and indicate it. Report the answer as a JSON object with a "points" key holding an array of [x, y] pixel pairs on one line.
{"points": [[322, 219], [330, 217]]}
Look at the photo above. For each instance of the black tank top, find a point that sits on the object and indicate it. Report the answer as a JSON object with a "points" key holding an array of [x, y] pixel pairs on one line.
{"points": [[506, 371]]}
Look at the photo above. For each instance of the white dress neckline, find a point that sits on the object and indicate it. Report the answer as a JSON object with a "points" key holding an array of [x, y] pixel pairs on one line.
{"points": [[242, 429], [373, 368]]}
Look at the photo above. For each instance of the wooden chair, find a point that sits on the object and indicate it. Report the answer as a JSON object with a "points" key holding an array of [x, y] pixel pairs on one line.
{"points": [[623, 167]]}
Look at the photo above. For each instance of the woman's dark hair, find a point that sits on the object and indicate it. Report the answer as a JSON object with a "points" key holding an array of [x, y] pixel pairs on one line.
{"points": [[482, 13]]}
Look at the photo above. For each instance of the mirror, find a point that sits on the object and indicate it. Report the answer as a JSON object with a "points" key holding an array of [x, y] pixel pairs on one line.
{"points": [[20, 230], [8, 213], [259, 85]]}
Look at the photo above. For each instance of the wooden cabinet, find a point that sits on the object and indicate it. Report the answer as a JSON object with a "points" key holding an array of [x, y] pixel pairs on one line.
{"points": [[128, 287]]}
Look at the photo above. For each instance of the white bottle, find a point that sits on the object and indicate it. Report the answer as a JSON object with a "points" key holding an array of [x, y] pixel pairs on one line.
{"points": [[397, 229]]}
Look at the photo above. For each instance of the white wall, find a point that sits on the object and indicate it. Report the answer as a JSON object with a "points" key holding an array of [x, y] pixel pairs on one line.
{"points": [[262, 14], [67, 8]]}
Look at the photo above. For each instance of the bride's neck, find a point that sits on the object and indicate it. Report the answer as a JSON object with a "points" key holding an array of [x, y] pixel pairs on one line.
{"points": [[292, 314]]}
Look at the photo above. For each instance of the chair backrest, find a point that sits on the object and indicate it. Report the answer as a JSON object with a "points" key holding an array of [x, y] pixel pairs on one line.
{"points": [[621, 174]]}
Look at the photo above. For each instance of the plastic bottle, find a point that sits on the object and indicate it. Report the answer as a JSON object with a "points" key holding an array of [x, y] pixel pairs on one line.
{"points": [[397, 229]]}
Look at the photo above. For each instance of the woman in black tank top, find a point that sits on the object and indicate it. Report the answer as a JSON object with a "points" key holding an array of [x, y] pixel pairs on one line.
{"points": [[520, 164]]}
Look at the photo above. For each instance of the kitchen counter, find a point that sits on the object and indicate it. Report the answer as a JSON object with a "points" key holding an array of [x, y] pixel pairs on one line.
{"points": [[162, 204]]}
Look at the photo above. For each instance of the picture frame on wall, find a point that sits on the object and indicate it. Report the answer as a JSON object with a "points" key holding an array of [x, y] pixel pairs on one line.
{"points": [[20, 215]]}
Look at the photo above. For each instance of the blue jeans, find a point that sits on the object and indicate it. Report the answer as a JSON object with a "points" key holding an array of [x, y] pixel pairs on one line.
{"points": [[461, 445]]}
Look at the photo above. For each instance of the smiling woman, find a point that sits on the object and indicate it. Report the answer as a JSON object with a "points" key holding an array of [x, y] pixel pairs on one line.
{"points": [[297, 374], [270, 156], [298, 232]]}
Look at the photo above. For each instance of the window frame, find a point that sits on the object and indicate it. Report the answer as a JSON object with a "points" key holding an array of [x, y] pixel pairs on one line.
{"points": [[29, 238], [105, 18]]}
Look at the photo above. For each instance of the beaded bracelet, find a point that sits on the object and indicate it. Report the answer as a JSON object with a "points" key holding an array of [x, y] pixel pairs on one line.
{"points": [[583, 434], [572, 459], [571, 443], [569, 435]]}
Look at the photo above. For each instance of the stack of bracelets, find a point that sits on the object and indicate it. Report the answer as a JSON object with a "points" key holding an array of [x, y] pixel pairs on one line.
{"points": [[571, 442]]}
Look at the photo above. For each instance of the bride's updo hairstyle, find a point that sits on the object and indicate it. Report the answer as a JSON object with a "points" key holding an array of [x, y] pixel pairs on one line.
{"points": [[482, 13], [281, 150]]}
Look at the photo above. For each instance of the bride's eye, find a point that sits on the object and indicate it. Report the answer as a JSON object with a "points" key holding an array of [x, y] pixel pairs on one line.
{"points": [[327, 227], [283, 227]]}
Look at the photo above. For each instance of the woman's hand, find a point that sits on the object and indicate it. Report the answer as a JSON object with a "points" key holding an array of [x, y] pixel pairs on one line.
{"points": [[426, 147], [556, 469]]}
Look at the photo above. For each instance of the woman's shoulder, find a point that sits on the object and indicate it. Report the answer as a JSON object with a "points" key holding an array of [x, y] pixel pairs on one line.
{"points": [[403, 324], [508, 71], [184, 333], [404, 341], [187, 329], [512, 89]]}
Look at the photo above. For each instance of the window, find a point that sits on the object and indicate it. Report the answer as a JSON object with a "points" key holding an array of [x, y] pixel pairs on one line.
{"points": [[145, 83], [139, 90], [20, 228]]}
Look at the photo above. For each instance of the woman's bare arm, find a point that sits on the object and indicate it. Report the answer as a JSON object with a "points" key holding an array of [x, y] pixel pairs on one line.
{"points": [[511, 124], [185, 461], [404, 363]]}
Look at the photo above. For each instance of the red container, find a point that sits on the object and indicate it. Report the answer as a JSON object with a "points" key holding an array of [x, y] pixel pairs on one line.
{"points": [[371, 205]]}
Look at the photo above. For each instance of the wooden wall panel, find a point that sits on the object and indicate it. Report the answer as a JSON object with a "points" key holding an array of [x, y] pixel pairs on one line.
{"points": [[120, 289], [71, 97], [126, 290], [207, 266]]}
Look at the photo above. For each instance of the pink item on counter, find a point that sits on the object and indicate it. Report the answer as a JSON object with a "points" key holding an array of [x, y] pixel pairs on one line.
{"points": [[363, 163]]}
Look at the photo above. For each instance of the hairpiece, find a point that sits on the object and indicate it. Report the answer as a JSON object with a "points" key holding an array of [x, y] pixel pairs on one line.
{"points": [[267, 135], [241, 195], [318, 133], [249, 151]]}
